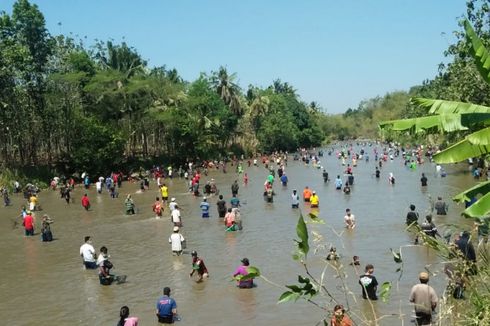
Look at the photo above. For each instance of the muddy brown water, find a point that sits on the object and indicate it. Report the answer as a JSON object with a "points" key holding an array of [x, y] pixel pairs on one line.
{"points": [[45, 284]]}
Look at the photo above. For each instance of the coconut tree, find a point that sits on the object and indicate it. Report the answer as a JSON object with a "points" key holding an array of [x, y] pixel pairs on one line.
{"points": [[227, 89], [450, 116]]}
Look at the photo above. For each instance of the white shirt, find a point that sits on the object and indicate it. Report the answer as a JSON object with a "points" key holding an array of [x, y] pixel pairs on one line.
{"points": [[100, 259], [176, 241], [350, 220], [172, 205], [295, 199], [98, 185], [87, 251], [176, 216]]}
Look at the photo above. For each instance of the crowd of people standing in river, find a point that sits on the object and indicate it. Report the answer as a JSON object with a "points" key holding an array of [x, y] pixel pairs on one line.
{"points": [[229, 211]]}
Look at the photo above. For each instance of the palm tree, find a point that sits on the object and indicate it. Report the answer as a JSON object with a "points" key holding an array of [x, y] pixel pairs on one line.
{"points": [[227, 89]]}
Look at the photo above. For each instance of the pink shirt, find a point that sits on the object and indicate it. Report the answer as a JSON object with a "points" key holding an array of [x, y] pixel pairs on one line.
{"points": [[131, 321]]}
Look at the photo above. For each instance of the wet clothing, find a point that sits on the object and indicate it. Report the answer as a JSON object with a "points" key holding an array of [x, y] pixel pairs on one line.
{"points": [[423, 181], [440, 207], [246, 284], [165, 305], [29, 225], [204, 208], [306, 194], [295, 200], [412, 217], [369, 285], [235, 202], [424, 298], [221, 208]]}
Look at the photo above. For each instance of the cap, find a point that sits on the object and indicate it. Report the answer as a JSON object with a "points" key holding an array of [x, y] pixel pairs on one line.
{"points": [[314, 191], [173, 199], [204, 198], [423, 276], [176, 228]]}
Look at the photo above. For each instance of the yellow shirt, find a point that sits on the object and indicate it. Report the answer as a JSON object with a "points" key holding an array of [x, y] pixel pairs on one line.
{"points": [[164, 191], [33, 200], [314, 200]]}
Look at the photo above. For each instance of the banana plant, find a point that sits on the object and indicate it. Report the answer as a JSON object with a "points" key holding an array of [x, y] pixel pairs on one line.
{"points": [[450, 116]]}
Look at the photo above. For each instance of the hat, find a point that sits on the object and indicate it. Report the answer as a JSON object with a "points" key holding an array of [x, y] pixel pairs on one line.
{"points": [[176, 228], [204, 198], [424, 276], [29, 212], [314, 192], [173, 199]]}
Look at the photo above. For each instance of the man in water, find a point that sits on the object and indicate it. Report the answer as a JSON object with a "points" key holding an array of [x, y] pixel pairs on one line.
{"points": [[166, 308], [423, 180], [307, 194], [242, 270], [325, 176], [172, 204], [157, 208], [424, 299], [349, 219], [412, 216], [85, 202], [314, 200], [295, 199], [164, 192], [221, 207], [199, 267], [338, 183], [369, 283], [176, 240], [29, 223], [377, 173], [204, 207], [284, 179], [87, 252], [440, 206], [129, 204], [428, 227], [234, 188], [234, 202], [176, 219]]}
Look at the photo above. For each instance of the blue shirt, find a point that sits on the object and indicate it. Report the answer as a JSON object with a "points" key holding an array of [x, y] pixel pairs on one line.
{"points": [[165, 305], [235, 202], [338, 183], [204, 207], [284, 179]]}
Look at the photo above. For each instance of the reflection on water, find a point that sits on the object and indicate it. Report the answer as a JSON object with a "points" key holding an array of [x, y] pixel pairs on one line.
{"points": [[51, 273]]}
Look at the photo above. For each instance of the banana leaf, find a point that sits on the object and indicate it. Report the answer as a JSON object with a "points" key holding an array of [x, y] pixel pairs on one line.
{"points": [[480, 189], [480, 137], [478, 52], [443, 122], [480, 208], [445, 107], [461, 151]]}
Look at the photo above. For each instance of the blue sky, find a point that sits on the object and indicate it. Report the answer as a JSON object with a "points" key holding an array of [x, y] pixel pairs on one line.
{"points": [[334, 52]]}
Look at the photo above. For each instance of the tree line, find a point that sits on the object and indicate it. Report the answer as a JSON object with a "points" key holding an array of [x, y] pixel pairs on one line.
{"points": [[93, 108]]}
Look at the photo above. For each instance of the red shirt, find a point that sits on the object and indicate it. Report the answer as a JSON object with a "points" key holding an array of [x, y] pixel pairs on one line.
{"points": [[28, 222], [85, 201]]}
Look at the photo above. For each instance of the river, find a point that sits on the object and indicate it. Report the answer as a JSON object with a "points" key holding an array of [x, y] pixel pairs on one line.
{"points": [[45, 284]]}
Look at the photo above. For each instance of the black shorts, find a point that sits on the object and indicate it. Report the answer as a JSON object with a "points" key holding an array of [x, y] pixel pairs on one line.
{"points": [[423, 318], [166, 319], [165, 198]]}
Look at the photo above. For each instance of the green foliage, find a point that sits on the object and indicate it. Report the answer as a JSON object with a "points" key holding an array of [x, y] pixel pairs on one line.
{"points": [[305, 290], [302, 233], [385, 292], [252, 272]]}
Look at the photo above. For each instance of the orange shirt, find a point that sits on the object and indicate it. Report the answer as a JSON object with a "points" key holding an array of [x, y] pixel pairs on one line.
{"points": [[306, 193]]}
